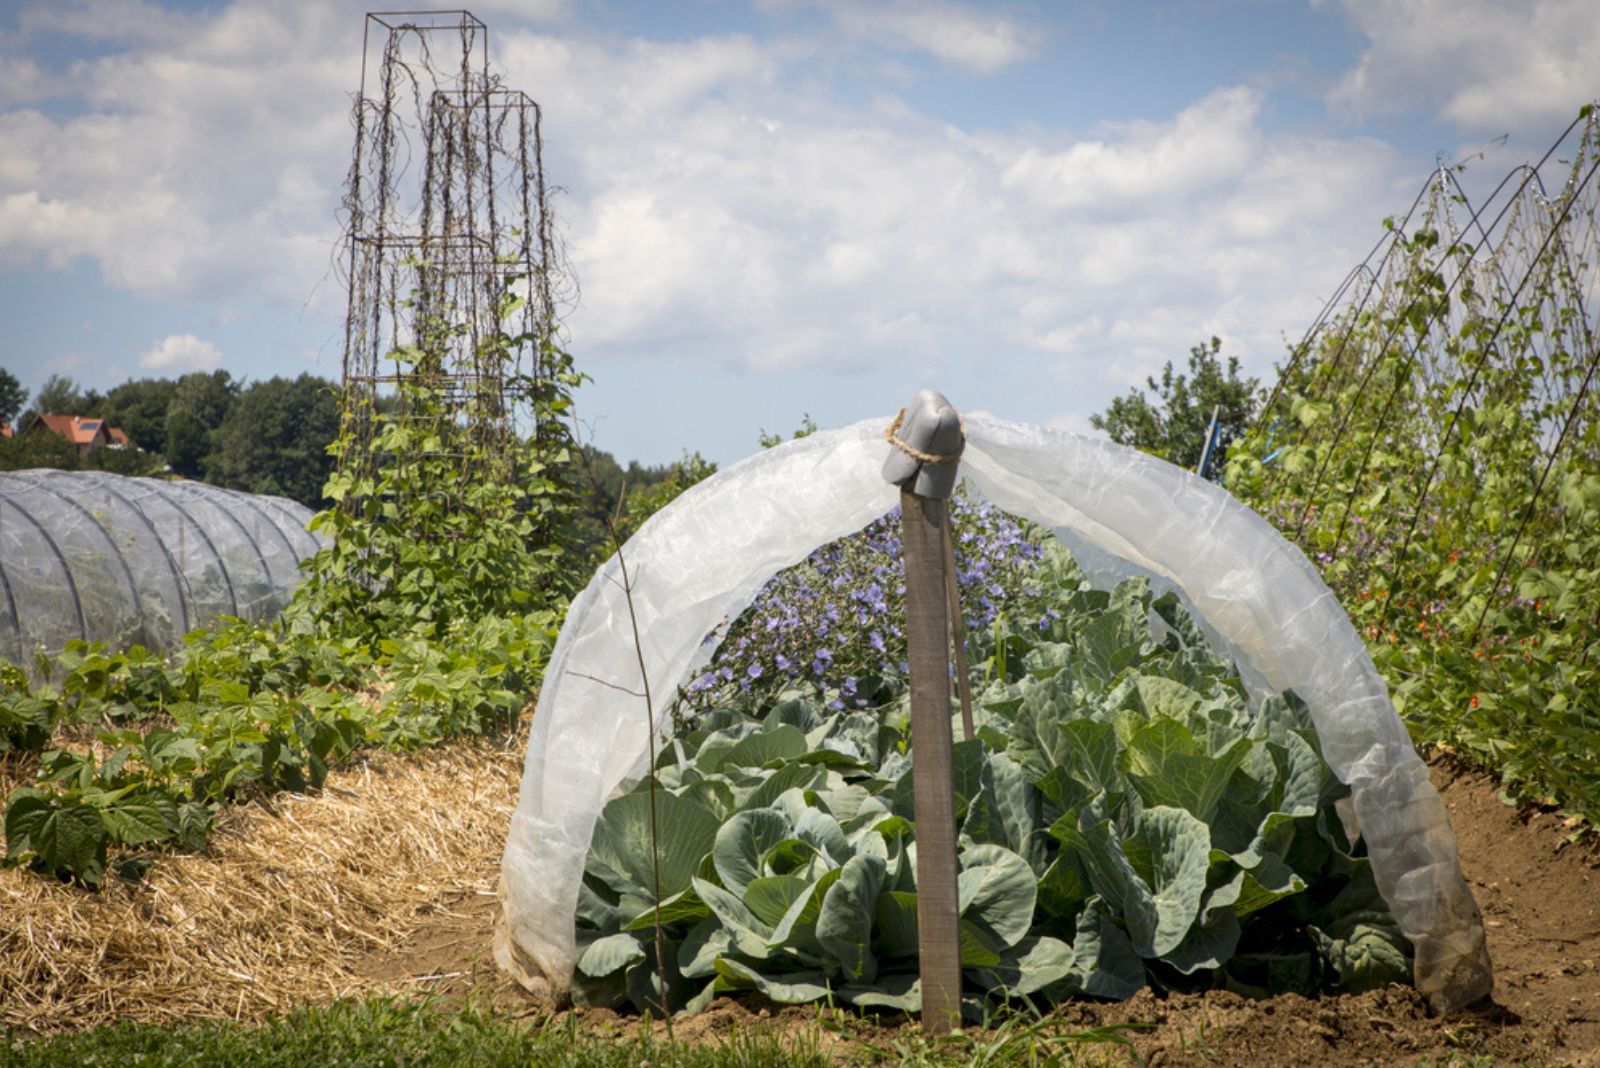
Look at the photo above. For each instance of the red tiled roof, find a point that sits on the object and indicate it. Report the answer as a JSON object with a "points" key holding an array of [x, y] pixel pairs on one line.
{"points": [[6, 431], [118, 435], [80, 430], [60, 424]]}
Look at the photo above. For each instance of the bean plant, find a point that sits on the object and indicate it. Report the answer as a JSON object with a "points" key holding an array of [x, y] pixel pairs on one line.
{"points": [[1434, 447], [429, 616]]}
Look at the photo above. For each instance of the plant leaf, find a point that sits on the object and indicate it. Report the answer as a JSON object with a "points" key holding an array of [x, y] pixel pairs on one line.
{"points": [[610, 954], [844, 925], [1030, 966], [770, 898], [749, 934], [743, 841], [997, 891], [793, 989], [685, 831]]}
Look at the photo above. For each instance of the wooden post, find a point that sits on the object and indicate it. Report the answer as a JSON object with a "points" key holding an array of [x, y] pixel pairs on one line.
{"points": [[958, 628], [926, 440], [933, 776]]}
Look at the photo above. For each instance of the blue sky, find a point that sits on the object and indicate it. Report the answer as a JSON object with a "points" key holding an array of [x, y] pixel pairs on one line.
{"points": [[777, 207]]}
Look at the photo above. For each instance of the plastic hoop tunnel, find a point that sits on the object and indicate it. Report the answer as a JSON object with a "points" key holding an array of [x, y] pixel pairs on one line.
{"points": [[705, 556], [100, 557]]}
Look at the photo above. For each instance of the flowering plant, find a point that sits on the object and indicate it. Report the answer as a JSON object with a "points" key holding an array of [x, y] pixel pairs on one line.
{"points": [[837, 618]]}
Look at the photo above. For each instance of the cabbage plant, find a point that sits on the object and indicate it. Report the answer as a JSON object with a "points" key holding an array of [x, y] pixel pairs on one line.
{"points": [[1127, 817]]}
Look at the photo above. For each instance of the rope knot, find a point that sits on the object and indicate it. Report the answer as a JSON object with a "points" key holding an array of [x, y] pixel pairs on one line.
{"points": [[891, 434]]}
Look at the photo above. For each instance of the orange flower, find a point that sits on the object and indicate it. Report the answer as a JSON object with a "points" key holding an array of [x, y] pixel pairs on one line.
{"points": [[1474, 700]]}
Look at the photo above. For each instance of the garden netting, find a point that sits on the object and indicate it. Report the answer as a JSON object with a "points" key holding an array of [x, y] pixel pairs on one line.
{"points": [[101, 557], [702, 559]]}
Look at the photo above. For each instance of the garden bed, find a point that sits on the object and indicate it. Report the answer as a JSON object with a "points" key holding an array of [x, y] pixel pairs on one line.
{"points": [[385, 880]]}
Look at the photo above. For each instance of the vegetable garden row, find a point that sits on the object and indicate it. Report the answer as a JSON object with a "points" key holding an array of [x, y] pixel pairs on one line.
{"points": [[1127, 816], [1124, 817]]}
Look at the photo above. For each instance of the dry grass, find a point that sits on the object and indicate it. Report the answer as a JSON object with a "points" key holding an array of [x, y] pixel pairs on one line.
{"points": [[285, 907]]}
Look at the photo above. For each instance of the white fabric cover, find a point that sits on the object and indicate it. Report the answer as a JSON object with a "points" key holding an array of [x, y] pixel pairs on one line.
{"points": [[703, 558], [92, 556]]}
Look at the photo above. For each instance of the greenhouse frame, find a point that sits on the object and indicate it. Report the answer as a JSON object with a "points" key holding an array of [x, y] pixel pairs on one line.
{"points": [[137, 561]]}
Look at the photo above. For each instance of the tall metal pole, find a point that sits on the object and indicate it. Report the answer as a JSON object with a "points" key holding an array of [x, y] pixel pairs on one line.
{"points": [[927, 440]]}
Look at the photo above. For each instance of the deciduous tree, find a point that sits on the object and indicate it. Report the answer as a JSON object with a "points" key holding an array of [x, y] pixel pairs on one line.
{"points": [[275, 439], [13, 398], [1170, 418]]}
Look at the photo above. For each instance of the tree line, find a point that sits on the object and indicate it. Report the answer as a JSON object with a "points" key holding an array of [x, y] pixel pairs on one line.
{"points": [[270, 436]]}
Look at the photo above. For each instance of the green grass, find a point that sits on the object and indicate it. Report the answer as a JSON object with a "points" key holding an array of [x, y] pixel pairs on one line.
{"points": [[382, 1033], [386, 1033]]}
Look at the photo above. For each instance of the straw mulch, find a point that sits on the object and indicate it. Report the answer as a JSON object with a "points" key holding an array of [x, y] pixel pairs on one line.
{"points": [[295, 894]]}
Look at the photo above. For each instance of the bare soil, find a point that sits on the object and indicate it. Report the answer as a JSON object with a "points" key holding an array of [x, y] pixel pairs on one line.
{"points": [[1540, 897]]}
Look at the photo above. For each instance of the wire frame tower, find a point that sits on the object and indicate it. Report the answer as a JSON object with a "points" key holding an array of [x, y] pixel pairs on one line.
{"points": [[451, 258]]}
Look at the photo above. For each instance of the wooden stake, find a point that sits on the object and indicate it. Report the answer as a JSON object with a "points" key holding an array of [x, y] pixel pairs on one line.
{"points": [[933, 777], [958, 627]]}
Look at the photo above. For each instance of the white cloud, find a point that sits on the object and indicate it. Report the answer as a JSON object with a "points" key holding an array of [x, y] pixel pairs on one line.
{"points": [[725, 208], [181, 352], [194, 158], [973, 38], [754, 225], [1486, 66], [1209, 143], [22, 80], [976, 38]]}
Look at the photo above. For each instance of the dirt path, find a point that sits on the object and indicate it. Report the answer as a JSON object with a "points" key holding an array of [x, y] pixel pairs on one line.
{"points": [[1541, 903]]}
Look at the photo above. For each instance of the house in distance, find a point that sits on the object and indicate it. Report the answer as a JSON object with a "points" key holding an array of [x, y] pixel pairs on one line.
{"points": [[85, 432]]}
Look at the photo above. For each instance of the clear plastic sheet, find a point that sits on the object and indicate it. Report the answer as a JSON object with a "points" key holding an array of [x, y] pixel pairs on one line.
{"points": [[102, 557], [703, 558]]}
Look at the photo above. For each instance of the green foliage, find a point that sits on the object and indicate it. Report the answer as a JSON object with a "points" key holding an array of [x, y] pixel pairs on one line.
{"points": [[806, 428], [60, 395], [430, 616], [1172, 420], [199, 405], [275, 437], [44, 448], [1435, 449], [13, 397], [130, 461], [267, 437], [1123, 818], [26, 721], [432, 535], [248, 710], [139, 406], [37, 448]]}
